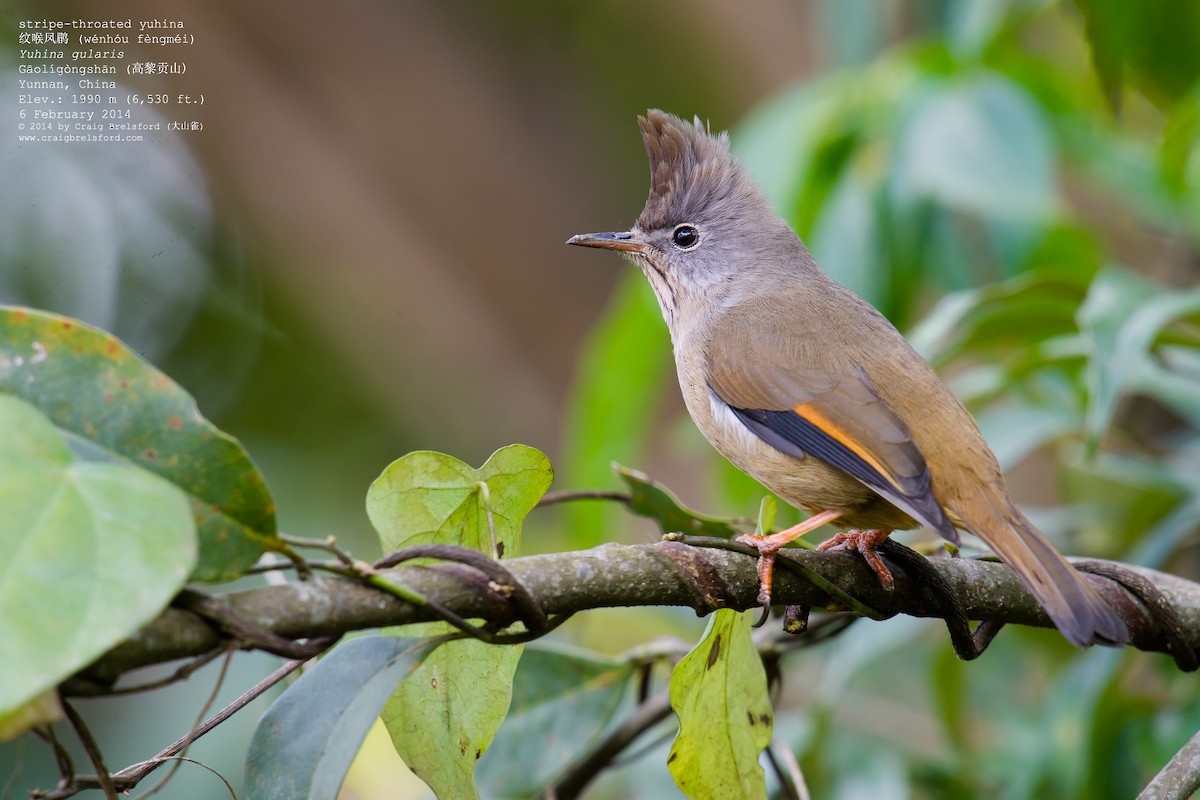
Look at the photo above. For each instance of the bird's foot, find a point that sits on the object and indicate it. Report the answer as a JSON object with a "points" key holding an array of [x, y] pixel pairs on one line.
{"points": [[767, 550], [769, 546], [866, 543]]}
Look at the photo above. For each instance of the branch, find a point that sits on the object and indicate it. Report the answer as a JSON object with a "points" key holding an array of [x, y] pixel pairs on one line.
{"points": [[661, 574], [1180, 778]]}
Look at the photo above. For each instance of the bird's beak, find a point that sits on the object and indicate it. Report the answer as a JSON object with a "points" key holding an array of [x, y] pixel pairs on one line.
{"points": [[617, 240]]}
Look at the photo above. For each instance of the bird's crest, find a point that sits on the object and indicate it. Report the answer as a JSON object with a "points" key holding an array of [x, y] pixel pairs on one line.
{"points": [[691, 173]]}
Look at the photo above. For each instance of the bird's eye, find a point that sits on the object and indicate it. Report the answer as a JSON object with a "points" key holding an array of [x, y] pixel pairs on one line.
{"points": [[685, 237]]}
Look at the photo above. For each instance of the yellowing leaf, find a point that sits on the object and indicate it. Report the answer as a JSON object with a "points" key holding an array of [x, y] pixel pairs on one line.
{"points": [[41, 710], [105, 399], [719, 693]]}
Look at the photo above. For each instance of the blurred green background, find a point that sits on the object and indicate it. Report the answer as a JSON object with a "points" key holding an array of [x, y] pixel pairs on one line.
{"points": [[361, 255]]}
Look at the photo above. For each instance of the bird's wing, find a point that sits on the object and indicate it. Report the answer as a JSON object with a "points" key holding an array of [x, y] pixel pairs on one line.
{"points": [[831, 412]]}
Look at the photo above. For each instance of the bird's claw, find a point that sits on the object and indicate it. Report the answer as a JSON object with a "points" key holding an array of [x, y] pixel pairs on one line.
{"points": [[767, 550], [867, 544]]}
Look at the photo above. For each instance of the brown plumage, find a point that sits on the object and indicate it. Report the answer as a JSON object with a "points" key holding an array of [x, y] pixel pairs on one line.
{"points": [[806, 387]]}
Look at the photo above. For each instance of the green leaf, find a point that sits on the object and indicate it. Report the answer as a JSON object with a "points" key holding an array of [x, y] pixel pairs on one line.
{"points": [[304, 744], [1014, 431], [1157, 42], [776, 141], [950, 698], [1001, 317], [614, 402], [1109, 25], [1126, 499], [815, 151], [1180, 135], [114, 406], [730, 488], [973, 25], [1168, 534], [1110, 303], [800, 143], [432, 497], [92, 552], [1176, 388], [828, 171], [648, 498], [445, 715], [850, 31], [846, 240], [980, 146], [1121, 317], [1070, 710], [1125, 169], [940, 327], [719, 692], [767, 511], [563, 699]]}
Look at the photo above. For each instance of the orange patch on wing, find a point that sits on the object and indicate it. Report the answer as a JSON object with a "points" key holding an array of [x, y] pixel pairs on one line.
{"points": [[810, 413]]}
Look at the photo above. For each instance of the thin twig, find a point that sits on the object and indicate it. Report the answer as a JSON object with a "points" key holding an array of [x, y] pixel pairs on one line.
{"points": [[129, 777], [794, 770], [243, 700], [497, 580], [329, 545], [264, 567], [208, 704], [647, 715], [790, 788], [66, 767], [332, 566], [183, 673], [92, 750], [276, 544], [18, 768], [621, 759], [180, 760]]}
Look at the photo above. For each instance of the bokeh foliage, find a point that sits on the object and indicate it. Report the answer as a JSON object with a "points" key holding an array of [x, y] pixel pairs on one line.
{"points": [[1016, 187], [1018, 190]]}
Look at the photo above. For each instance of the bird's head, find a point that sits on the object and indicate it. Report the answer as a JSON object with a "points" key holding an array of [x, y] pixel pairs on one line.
{"points": [[706, 231]]}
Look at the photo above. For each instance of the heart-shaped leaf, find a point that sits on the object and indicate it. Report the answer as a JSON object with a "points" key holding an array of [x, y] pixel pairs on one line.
{"points": [[444, 717], [113, 404], [432, 497], [92, 551]]}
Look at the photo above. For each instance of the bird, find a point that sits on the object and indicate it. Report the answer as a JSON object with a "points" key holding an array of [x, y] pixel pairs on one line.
{"points": [[810, 390]]}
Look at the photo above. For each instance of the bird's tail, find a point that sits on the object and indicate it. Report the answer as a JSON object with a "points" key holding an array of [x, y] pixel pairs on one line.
{"points": [[1073, 604]]}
